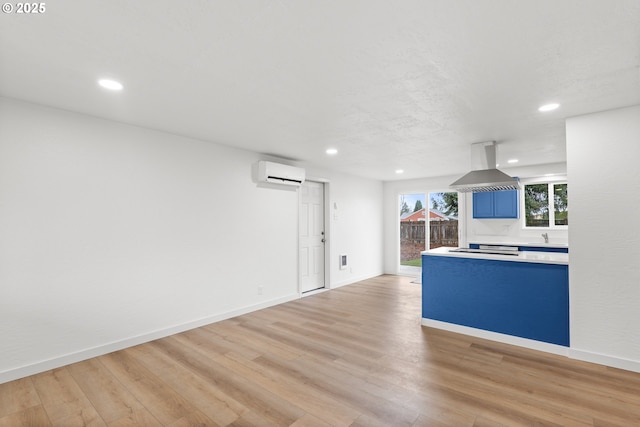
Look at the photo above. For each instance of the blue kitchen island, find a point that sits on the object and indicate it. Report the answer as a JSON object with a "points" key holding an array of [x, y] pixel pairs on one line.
{"points": [[524, 295]]}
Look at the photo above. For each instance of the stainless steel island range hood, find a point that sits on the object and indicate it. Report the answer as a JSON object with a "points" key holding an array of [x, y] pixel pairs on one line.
{"points": [[484, 176]]}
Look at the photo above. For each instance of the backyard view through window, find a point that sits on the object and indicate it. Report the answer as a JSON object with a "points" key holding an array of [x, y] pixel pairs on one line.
{"points": [[437, 218], [546, 205]]}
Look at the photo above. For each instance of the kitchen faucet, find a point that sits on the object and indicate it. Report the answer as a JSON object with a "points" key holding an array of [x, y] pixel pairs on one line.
{"points": [[546, 237]]}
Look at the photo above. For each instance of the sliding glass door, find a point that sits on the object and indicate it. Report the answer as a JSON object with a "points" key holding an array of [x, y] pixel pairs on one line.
{"points": [[443, 219], [426, 221], [412, 230]]}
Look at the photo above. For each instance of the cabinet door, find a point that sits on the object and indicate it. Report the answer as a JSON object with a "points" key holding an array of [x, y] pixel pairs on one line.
{"points": [[483, 204], [506, 204]]}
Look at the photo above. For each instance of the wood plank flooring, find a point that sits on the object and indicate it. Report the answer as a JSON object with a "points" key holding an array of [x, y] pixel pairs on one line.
{"points": [[354, 356]]}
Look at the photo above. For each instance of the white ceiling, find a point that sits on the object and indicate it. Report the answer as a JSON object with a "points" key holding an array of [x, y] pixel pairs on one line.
{"points": [[390, 84]]}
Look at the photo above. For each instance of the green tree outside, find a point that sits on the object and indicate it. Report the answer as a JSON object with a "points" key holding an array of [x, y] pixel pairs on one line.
{"points": [[561, 204], [450, 206], [536, 205]]}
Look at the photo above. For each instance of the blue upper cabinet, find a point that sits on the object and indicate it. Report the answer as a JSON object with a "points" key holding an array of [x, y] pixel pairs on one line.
{"points": [[495, 204], [483, 205], [506, 204]]}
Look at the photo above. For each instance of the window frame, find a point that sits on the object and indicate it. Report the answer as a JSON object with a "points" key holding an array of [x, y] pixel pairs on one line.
{"points": [[552, 214]]}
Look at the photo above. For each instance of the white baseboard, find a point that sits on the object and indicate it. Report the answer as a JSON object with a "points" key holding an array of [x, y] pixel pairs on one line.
{"points": [[604, 359], [572, 353], [496, 336], [78, 356]]}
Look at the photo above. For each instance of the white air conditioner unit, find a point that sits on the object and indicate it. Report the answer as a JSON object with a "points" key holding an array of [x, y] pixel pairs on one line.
{"points": [[276, 173]]}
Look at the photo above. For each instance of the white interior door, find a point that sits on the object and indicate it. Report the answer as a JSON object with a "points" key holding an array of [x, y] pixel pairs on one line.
{"points": [[312, 236]]}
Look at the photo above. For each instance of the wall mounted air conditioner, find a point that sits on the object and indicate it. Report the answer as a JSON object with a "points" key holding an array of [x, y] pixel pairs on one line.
{"points": [[276, 173]]}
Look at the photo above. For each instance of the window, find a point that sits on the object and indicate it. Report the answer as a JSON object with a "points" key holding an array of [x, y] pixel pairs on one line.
{"points": [[412, 229], [427, 221], [443, 219], [546, 205]]}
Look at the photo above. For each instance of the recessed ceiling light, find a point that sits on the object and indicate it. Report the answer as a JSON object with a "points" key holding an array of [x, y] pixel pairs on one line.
{"points": [[110, 84], [512, 161], [399, 171], [331, 151], [548, 107]]}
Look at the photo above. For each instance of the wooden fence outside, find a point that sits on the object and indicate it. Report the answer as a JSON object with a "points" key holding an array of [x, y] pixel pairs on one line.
{"points": [[545, 222], [441, 233]]}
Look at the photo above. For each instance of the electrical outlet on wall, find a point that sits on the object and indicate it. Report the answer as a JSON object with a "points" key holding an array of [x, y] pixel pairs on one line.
{"points": [[260, 288]]}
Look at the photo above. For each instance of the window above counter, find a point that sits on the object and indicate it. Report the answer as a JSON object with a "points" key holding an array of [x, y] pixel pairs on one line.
{"points": [[545, 205]]}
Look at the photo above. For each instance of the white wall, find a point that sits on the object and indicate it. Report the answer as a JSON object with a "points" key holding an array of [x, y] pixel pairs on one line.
{"points": [[113, 235], [355, 219], [604, 275], [471, 230]]}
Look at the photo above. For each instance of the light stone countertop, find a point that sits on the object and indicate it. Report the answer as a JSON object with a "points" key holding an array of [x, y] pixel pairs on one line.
{"points": [[524, 256], [531, 244]]}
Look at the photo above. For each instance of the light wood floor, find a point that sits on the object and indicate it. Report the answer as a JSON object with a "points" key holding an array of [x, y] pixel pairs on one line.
{"points": [[354, 356]]}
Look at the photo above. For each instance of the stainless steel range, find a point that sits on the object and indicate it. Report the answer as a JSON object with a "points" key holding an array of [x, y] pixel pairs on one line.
{"points": [[490, 249]]}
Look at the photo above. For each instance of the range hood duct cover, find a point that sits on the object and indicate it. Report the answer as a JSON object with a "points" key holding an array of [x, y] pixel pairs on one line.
{"points": [[485, 176]]}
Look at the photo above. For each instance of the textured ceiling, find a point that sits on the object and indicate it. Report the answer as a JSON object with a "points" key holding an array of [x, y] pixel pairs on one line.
{"points": [[402, 84]]}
